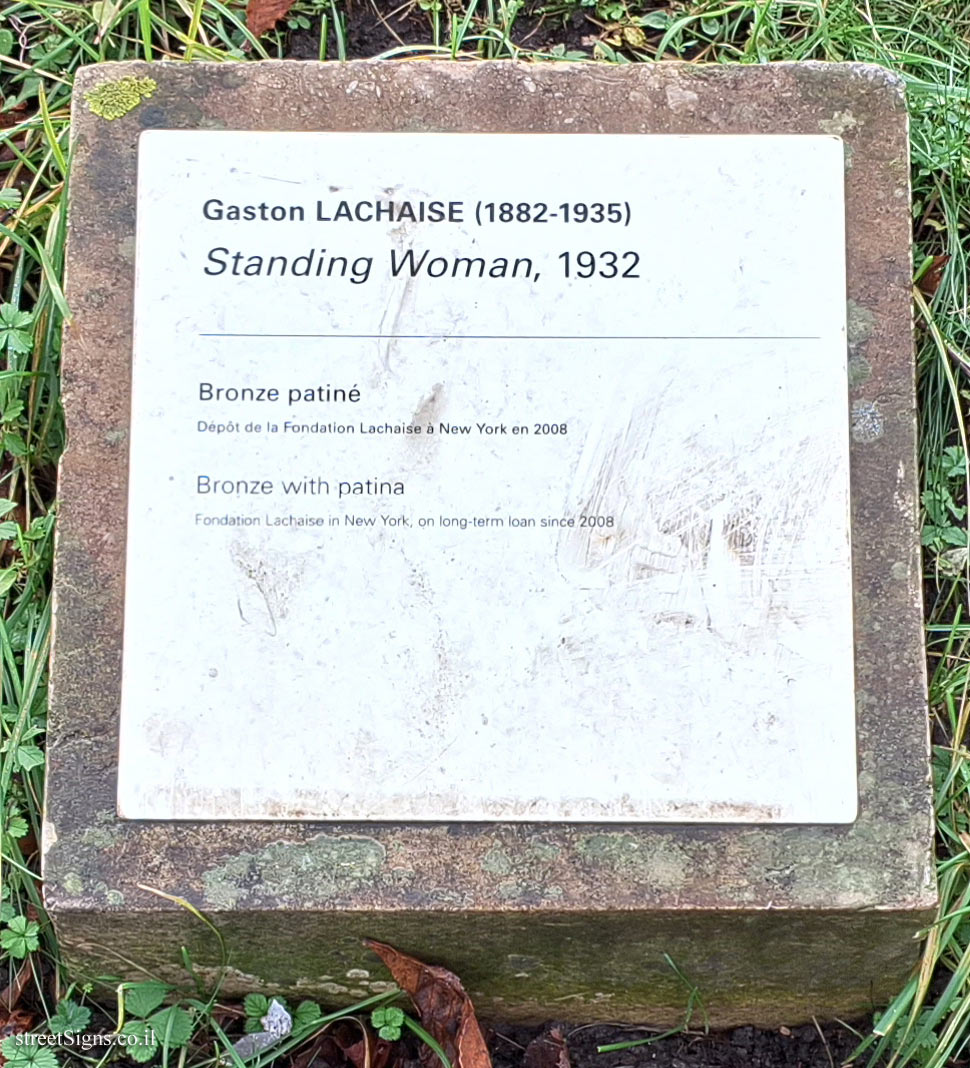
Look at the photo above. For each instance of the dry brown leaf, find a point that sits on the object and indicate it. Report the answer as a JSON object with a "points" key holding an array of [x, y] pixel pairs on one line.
{"points": [[323, 1052], [370, 1053], [930, 282], [14, 1023], [10, 995], [547, 1051], [445, 1009], [263, 15], [11, 116], [340, 1046]]}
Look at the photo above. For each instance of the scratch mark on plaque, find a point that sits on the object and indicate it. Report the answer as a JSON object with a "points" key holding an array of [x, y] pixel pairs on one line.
{"points": [[274, 587], [269, 611], [434, 760], [395, 308], [272, 629], [395, 311], [700, 523], [264, 177]]}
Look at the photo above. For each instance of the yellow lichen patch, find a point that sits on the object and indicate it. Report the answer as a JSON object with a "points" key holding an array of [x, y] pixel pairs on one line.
{"points": [[111, 100]]}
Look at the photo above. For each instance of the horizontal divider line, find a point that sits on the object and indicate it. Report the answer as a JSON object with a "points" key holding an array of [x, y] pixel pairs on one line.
{"points": [[540, 337]]}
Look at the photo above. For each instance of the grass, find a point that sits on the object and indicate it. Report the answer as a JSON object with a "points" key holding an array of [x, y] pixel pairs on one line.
{"points": [[41, 45]]}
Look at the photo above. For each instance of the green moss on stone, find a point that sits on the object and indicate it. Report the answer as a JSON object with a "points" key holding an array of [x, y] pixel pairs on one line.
{"points": [[612, 850], [840, 123], [860, 370], [110, 895], [281, 872], [514, 890], [111, 100], [629, 854], [860, 323], [73, 883], [497, 862], [99, 837]]}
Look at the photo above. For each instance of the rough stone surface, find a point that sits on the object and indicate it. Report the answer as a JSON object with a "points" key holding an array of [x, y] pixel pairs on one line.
{"points": [[773, 924]]}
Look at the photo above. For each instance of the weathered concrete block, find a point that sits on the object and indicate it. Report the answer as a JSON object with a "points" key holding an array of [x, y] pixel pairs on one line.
{"points": [[774, 922]]}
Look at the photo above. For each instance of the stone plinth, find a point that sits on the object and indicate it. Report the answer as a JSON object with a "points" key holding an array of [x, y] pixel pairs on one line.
{"points": [[773, 921]]}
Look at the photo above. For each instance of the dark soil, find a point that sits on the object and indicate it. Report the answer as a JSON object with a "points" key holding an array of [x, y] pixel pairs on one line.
{"points": [[373, 29], [745, 1047]]}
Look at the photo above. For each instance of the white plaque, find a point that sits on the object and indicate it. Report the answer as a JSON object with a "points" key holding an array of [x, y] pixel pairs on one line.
{"points": [[489, 477]]}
